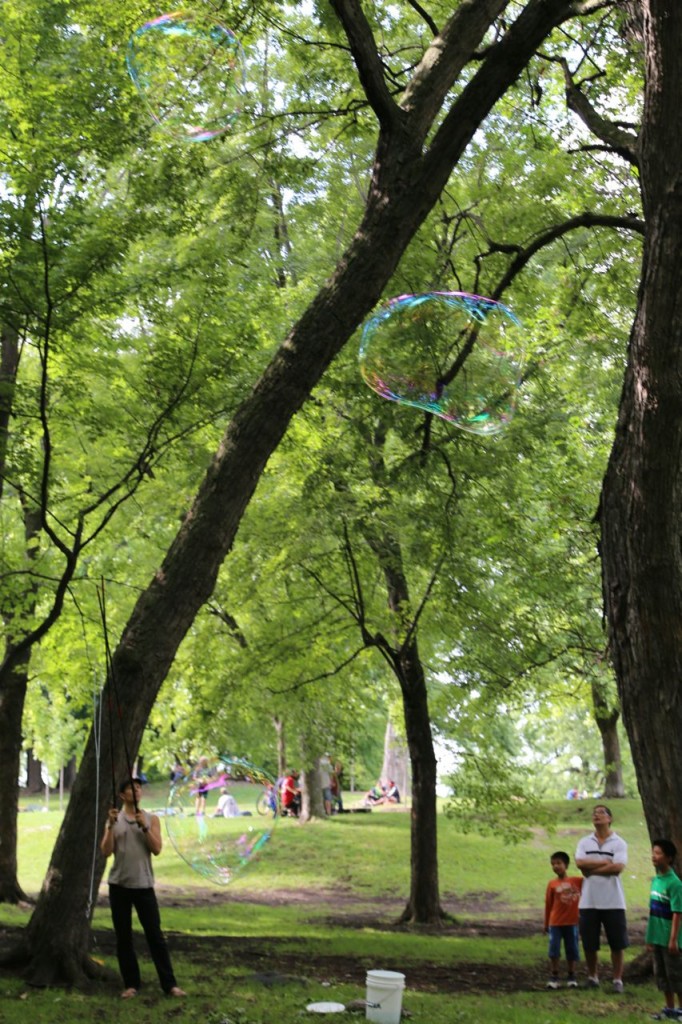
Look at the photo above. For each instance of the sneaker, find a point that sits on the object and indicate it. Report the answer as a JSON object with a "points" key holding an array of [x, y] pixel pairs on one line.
{"points": [[553, 983], [571, 982], [617, 985], [593, 982]]}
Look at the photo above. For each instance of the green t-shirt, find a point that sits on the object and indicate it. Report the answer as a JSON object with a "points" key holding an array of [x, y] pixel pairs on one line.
{"points": [[665, 900]]}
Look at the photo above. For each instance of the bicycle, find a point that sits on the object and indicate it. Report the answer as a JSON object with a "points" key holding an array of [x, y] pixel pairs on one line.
{"points": [[267, 803]]}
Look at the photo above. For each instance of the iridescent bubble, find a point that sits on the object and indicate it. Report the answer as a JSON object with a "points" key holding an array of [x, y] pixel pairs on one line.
{"points": [[189, 69], [213, 818], [450, 353]]}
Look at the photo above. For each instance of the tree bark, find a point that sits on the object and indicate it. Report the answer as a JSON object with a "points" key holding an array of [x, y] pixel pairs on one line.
{"points": [[281, 746], [12, 696], [607, 723], [14, 675], [423, 904], [642, 492], [312, 803], [406, 182]]}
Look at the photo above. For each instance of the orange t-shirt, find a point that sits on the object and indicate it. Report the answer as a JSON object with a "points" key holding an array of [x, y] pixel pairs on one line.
{"points": [[561, 901]]}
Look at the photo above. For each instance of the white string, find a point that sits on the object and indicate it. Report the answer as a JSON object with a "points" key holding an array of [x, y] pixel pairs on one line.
{"points": [[96, 732]]}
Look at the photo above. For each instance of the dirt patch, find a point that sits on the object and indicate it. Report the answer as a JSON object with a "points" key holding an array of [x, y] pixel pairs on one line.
{"points": [[268, 962]]}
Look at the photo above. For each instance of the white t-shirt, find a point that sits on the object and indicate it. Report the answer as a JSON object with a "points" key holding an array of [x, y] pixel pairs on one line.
{"points": [[602, 892], [227, 806]]}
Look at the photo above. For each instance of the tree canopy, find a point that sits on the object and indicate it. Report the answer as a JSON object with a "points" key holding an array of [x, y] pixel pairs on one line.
{"points": [[179, 383]]}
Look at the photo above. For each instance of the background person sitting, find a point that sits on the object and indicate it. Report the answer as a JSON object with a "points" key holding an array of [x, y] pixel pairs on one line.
{"points": [[391, 793], [227, 805], [375, 796]]}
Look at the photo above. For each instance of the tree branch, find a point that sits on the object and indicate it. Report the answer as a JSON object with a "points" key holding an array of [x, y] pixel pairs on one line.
{"points": [[425, 15], [626, 144], [582, 220], [502, 65], [367, 61], [445, 58]]}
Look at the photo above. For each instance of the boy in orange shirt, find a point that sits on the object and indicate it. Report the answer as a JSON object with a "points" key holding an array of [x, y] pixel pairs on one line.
{"points": [[561, 919]]}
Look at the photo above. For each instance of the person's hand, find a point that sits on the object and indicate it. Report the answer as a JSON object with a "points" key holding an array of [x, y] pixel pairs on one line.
{"points": [[113, 817], [140, 819], [673, 948]]}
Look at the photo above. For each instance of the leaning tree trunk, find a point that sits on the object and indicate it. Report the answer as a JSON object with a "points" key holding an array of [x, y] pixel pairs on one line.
{"points": [[641, 506], [408, 177], [55, 946]]}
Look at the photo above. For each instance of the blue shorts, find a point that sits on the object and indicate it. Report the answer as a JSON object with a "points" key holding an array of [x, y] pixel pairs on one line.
{"points": [[569, 934]]}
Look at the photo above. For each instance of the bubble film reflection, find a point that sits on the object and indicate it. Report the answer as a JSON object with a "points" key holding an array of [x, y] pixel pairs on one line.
{"points": [[213, 818], [189, 69], [450, 353]]}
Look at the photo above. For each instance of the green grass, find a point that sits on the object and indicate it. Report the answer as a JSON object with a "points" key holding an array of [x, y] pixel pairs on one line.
{"points": [[366, 857]]}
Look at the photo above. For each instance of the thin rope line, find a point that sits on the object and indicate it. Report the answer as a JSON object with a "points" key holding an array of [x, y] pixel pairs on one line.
{"points": [[97, 732]]}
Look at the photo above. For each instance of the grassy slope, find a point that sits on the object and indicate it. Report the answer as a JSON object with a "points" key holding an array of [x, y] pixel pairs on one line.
{"points": [[366, 856]]}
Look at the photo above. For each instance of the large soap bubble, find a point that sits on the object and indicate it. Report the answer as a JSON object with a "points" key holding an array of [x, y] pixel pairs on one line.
{"points": [[452, 354], [189, 69], [212, 817]]}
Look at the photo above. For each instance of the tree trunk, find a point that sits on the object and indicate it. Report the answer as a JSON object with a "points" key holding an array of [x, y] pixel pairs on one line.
{"points": [[12, 696], [34, 773], [312, 804], [281, 746], [642, 493], [407, 179], [607, 723], [423, 905], [14, 674]]}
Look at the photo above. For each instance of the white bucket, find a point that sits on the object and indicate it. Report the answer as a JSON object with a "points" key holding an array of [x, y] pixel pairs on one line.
{"points": [[384, 996]]}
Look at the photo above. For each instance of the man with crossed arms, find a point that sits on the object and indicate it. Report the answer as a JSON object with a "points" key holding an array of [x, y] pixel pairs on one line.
{"points": [[602, 857]]}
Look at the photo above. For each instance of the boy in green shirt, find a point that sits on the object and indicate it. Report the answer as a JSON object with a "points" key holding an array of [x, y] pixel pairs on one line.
{"points": [[663, 928]]}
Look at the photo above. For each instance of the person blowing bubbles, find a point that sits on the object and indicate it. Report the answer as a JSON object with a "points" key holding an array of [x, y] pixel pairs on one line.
{"points": [[133, 836]]}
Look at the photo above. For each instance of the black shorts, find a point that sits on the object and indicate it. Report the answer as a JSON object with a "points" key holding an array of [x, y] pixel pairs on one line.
{"points": [[615, 927]]}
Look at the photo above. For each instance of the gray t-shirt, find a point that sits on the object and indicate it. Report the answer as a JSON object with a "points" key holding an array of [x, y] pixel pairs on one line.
{"points": [[132, 865]]}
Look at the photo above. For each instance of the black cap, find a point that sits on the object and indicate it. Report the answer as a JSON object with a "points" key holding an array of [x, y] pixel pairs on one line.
{"points": [[128, 782]]}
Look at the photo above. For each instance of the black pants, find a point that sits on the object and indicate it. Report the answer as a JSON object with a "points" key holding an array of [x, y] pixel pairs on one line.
{"points": [[122, 901]]}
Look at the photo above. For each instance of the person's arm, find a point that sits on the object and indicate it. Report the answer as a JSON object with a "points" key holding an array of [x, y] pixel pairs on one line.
{"points": [[586, 865], [583, 863], [673, 941], [607, 867], [548, 905], [612, 865], [107, 842], [151, 832]]}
